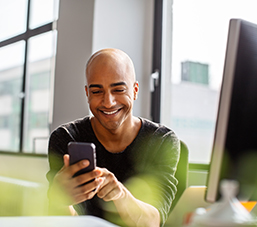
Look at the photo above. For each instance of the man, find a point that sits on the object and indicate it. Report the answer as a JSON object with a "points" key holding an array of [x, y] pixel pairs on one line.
{"points": [[136, 158]]}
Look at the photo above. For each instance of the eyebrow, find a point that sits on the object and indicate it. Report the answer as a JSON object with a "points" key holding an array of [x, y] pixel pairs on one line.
{"points": [[112, 85], [95, 85], [118, 84]]}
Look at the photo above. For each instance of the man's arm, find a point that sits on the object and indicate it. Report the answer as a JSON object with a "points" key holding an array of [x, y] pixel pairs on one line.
{"points": [[133, 211]]}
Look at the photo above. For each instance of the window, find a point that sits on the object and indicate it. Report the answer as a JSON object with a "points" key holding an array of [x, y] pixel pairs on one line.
{"points": [[199, 36], [27, 51]]}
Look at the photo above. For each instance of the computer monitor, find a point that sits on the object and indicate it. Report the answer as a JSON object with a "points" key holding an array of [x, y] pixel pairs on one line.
{"points": [[234, 153]]}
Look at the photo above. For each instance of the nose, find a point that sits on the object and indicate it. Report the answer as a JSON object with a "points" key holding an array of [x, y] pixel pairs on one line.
{"points": [[108, 100]]}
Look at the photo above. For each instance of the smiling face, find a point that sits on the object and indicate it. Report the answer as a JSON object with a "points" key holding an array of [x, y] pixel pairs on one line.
{"points": [[111, 89]]}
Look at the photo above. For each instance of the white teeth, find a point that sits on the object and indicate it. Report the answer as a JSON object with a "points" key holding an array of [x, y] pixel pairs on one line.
{"points": [[109, 113]]}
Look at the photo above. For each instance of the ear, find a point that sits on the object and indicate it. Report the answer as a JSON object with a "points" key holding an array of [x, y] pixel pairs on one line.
{"points": [[136, 90], [86, 89]]}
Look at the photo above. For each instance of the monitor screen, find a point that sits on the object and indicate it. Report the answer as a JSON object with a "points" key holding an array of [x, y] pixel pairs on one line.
{"points": [[234, 153]]}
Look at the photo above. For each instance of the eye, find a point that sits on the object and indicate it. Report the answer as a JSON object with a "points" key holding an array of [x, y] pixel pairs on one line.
{"points": [[96, 92], [119, 90]]}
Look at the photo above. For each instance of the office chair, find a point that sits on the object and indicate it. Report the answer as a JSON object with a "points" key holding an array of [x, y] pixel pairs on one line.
{"points": [[182, 177], [181, 173]]}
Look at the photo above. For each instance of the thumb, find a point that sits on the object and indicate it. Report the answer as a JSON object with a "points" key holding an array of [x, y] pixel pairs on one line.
{"points": [[66, 160]]}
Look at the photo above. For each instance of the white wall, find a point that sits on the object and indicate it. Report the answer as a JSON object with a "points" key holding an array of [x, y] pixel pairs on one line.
{"points": [[74, 47], [128, 25]]}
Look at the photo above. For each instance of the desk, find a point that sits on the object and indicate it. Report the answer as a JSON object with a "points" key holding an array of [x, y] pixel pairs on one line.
{"points": [[192, 198], [54, 221]]}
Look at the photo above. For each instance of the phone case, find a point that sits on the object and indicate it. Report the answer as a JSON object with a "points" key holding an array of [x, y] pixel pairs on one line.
{"points": [[80, 151]]}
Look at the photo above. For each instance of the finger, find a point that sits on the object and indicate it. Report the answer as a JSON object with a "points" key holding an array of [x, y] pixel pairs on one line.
{"points": [[78, 166], [88, 187], [87, 191], [104, 190], [99, 171], [81, 197], [110, 193], [66, 160], [67, 172], [110, 184], [86, 177], [106, 175]]}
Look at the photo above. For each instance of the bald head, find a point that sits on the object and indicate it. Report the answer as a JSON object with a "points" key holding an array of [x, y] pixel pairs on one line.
{"points": [[110, 59]]}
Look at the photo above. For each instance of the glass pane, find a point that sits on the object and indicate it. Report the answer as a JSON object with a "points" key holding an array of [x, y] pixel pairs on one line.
{"points": [[41, 52], [11, 71], [43, 12], [13, 17], [200, 30]]}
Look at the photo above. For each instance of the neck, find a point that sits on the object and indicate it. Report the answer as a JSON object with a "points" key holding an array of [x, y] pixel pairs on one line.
{"points": [[118, 139]]}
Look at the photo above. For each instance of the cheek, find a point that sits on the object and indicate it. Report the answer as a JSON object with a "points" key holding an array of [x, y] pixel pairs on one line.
{"points": [[130, 100], [92, 102], [93, 99]]}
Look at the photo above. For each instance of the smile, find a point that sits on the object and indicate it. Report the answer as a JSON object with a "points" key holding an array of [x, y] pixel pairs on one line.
{"points": [[112, 112]]}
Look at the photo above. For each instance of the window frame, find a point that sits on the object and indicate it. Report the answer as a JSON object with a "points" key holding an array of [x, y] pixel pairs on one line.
{"points": [[157, 64], [157, 61], [25, 36]]}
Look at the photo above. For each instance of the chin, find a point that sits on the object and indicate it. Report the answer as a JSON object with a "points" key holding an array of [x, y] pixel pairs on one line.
{"points": [[112, 125]]}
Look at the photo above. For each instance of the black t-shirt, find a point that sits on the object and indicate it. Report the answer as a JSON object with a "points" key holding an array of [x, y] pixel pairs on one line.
{"points": [[146, 167]]}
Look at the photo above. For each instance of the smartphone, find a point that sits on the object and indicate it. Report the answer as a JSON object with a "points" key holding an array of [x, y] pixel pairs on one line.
{"points": [[80, 151]]}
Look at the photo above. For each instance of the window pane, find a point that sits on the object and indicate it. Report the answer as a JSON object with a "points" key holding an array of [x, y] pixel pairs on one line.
{"points": [[11, 71], [37, 103], [42, 12], [200, 30], [13, 17]]}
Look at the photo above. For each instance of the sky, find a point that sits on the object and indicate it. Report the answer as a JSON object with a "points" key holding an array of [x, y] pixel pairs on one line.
{"points": [[200, 32]]}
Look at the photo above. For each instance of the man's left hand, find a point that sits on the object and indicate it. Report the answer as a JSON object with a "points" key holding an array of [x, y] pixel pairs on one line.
{"points": [[111, 188]]}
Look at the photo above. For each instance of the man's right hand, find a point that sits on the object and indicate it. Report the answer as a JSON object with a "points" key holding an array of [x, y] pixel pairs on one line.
{"points": [[67, 190]]}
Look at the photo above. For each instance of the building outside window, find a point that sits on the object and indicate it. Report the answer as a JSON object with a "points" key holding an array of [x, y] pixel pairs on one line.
{"points": [[198, 35]]}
